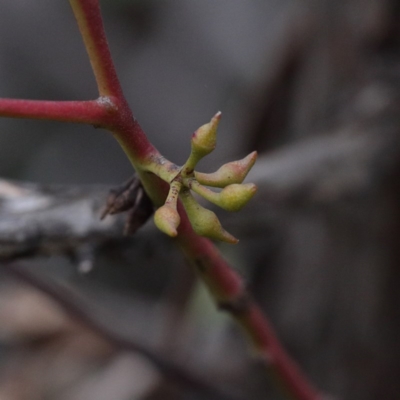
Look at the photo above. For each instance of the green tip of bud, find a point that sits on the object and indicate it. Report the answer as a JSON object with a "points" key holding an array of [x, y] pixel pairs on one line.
{"points": [[204, 139], [167, 219], [236, 196], [228, 174]]}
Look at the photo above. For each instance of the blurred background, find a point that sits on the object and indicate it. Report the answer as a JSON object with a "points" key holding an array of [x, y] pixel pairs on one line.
{"points": [[314, 87]]}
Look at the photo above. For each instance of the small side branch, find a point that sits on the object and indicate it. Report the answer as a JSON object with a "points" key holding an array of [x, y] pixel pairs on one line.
{"points": [[93, 112]]}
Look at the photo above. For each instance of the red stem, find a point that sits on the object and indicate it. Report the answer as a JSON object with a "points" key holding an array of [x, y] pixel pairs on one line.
{"points": [[90, 22], [125, 127], [112, 111], [226, 286], [87, 112], [229, 291]]}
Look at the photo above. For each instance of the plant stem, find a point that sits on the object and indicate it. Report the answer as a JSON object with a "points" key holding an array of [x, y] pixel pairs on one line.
{"points": [[126, 129], [90, 24], [112, 111], [87, 112], [224, 284], [230, 294]]}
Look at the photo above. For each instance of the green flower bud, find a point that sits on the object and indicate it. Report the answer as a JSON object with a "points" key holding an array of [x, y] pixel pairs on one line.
{"points": [[167, 219], [233, 172], [231, 198], [236, 196], [205, 222], [204, 139]]}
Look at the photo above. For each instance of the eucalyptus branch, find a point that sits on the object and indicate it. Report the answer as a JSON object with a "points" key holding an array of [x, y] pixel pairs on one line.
{"points": [[181, 216]]}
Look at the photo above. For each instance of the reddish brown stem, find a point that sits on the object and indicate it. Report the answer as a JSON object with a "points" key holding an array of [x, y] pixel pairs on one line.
{"points": [[112, 111], [87, 112], [229, 292], [225, 285], [90, 22], [126, 129]]}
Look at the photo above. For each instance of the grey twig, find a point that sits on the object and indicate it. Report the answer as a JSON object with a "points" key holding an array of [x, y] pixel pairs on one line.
{"points": [[56, 219]]}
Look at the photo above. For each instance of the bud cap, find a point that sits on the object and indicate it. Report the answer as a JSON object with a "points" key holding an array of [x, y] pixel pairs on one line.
{"points": [[167, 219], [204, 139]]}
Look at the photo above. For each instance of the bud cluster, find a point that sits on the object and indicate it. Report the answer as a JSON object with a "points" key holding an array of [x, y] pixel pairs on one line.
{"points": [[233, 196]]}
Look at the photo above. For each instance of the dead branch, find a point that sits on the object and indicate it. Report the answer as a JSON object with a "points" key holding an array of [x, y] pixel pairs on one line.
{"points": [[54, 219]]}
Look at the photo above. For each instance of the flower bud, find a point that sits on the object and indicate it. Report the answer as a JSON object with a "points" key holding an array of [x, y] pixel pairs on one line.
{"points": [[233, 172], [236, 196], [167, 219], [231, 198], [204, 139], [205, 222]]}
